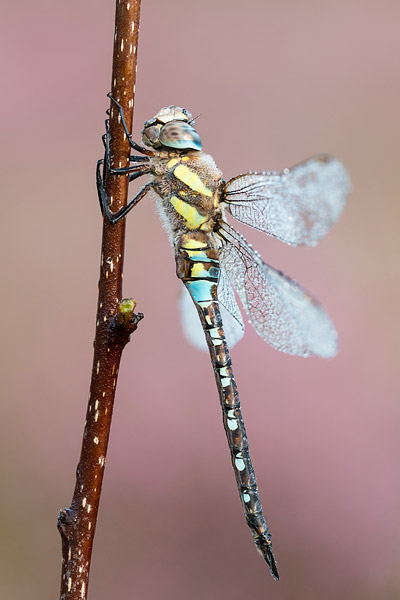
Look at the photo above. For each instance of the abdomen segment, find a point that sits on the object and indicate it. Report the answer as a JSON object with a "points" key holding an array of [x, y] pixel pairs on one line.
{"points": [[198, 267]]}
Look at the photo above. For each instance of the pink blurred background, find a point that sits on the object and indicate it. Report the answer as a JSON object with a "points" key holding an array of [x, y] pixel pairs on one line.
{"points": [[274, 82]]}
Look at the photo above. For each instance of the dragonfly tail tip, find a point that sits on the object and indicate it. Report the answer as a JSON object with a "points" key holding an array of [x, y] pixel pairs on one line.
{"points": [[265, 548]]}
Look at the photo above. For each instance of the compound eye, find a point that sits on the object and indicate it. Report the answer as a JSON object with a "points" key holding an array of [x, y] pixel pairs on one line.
{"points": [[150, 135], [180, 135]]}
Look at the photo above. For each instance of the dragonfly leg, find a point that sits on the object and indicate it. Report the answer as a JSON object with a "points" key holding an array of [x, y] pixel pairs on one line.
{"points": [[105, 200], [106, 141], [133, 144], [134, 158]]}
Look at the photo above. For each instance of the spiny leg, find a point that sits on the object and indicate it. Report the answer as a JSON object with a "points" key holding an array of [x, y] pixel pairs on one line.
{"points": [[105, 201], [133, 144], [134, 171], [134, 158], [122, 170]]}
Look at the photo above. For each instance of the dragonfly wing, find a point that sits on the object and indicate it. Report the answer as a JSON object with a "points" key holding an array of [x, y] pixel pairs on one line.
{"points": [[190, 322], [230, 313], [298, 205], [281, 312]]}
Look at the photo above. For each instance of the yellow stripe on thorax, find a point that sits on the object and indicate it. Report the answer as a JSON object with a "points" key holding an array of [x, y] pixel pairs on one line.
{"points": [[192, 180], [190, 213], [171, 163]]}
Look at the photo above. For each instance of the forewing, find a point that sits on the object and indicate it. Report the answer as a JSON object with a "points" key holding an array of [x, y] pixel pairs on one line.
{"points": [[230, 313], [281, 312], [298, 205]]}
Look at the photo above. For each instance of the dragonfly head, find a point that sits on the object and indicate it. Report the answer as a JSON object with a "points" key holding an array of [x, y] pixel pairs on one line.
{"points": [[171, 128]]}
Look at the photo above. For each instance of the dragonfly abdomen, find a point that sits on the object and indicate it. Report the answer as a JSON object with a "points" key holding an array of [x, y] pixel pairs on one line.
{"points": [[198, 267]]}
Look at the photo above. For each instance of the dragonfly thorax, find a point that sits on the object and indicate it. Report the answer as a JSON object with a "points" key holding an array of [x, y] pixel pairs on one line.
{"points": [[170, 128], [189, 185]]}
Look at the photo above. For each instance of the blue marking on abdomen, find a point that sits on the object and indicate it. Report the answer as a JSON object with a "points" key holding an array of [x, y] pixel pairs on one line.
{"points": [[200, 289]]}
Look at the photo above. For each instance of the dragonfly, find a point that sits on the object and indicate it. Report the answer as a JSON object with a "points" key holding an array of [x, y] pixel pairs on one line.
{"points": [[298, 206]]}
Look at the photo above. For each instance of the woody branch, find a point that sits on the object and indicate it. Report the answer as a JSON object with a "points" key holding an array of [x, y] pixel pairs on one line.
{"points": [[115, 322]]}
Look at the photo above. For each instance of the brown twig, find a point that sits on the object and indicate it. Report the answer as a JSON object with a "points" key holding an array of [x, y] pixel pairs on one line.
{"points": [[115, 322]]}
